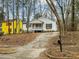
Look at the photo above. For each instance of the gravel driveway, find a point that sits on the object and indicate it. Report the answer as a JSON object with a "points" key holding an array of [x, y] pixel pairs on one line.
{"points": [[31, 50]]}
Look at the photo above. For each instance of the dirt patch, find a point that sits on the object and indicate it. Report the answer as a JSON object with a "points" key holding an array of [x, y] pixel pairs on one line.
{"points": [[57, 53], [17, 39]]}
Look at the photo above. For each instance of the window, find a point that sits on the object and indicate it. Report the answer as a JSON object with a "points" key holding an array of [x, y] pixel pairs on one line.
{"points": [[48, 26]]}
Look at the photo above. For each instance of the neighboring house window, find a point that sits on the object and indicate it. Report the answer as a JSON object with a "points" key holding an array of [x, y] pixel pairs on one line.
{"points": [[48, 26]]}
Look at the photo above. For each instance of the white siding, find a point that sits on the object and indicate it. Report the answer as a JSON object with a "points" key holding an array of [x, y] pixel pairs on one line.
{"points": [[54, 26], [24, 27], [46, 21]]}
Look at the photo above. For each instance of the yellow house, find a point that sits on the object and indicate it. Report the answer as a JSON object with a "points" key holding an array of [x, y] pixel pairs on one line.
{"points": [[7, 27]]}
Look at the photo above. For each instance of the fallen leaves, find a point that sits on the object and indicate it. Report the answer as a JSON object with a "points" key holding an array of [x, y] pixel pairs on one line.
{"points": [[17, 39]]}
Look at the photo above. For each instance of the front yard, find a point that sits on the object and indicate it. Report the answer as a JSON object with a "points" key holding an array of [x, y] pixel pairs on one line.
{"points": [[36, 45], [18, 39], [70, 43]]}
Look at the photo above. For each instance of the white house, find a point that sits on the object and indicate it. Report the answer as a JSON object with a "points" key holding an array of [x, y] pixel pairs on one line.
{"points": [[43, 24]]}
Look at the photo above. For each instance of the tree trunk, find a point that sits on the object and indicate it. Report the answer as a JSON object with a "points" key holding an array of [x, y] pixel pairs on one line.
{"points": [[23, 4], [57, 16], [8, 17], [72, 16], [60, 27], [28, 16], [34, 6], [40, 7], [17, 15], [13, 16], [3, 10]]}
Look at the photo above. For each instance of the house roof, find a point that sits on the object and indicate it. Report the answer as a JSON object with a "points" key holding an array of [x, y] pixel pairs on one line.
{"points": [[41, 20], [45, 20], [36, 21]]}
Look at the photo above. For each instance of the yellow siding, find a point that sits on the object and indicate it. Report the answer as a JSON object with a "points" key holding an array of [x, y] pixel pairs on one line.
{"points": [[5, 27], [21, 24], [14, 24]]}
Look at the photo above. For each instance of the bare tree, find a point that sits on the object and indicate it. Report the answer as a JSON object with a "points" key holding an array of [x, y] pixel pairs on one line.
{"points": [[23, 11], [3, 9], [64, 7], [17, 14], [52, 6], [7, 5], [13, 14], [28, 14]]}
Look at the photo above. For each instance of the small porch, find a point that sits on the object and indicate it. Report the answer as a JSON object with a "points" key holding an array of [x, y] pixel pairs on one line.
{"points": [[37, 27]]}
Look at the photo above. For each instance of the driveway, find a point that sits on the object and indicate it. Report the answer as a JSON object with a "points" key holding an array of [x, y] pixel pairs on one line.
{"points": [[31, 50]]}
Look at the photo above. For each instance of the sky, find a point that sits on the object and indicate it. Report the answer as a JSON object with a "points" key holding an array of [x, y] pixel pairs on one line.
{"points": [[43, 1], [43, 4]]}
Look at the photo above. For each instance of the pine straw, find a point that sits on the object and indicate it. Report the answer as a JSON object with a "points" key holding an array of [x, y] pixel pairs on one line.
{"points": [[70, 43], [17, 39]]}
